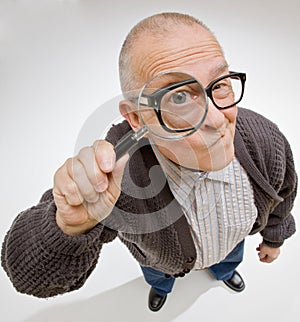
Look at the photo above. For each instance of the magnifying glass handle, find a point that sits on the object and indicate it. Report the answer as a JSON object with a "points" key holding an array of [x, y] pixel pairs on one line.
{"points": [[129, 141]]}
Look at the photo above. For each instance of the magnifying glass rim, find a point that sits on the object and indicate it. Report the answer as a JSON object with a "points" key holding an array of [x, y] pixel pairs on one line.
{"points": [[180, 136]]}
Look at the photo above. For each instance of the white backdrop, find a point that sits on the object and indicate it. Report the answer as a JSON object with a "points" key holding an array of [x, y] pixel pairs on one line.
{"points": [[58, 64]]}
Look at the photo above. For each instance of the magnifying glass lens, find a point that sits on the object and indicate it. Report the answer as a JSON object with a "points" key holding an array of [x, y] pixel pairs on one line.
{"points": [[173, 105]]}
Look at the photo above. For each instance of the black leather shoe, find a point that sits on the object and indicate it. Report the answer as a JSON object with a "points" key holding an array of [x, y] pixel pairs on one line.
{"points": [[156, 301], [236, 282]]}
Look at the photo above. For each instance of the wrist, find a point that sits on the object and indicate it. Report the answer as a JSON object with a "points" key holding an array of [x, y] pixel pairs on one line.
{"points": [[272, 244], [75, 230]]}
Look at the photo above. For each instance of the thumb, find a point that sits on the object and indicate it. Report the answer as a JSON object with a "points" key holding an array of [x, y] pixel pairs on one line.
{"points": [[259, 247]]}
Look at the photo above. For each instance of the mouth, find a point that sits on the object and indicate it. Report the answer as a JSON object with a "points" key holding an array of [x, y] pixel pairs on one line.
{"points": [[214, 143], [220, 136]]}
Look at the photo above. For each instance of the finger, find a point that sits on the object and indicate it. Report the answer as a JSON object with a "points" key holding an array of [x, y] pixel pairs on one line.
{"points": [[77, 172], [103, 207], [105, 155], [267, 259], [264, 259], [271, 258], [115, 178], [262, 254], [259, 247], [97, 178], [65, 189]]}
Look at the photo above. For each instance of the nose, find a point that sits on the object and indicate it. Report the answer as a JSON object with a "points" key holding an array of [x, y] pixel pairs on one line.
{"points": [[215, 119]]}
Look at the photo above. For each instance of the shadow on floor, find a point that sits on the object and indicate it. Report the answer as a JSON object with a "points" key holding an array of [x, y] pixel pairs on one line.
{"points": [[128, 302]]}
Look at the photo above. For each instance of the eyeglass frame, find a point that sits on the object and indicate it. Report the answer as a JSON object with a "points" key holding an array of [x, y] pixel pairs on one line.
{"points": [[155, 98]]}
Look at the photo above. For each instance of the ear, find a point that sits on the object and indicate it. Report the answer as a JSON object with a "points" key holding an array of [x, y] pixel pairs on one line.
{"points": [[129, 111]]}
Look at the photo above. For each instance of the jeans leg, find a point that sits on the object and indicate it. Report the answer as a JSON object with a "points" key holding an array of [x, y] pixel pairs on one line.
{"points": [[225, 269], [162, 284]]}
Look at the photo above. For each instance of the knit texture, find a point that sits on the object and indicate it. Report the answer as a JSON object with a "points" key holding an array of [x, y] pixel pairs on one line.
{"points": [[267, 157], [41, 260]]}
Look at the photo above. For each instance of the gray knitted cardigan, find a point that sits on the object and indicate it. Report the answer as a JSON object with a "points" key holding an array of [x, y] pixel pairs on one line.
{"points": [[41, 260]]}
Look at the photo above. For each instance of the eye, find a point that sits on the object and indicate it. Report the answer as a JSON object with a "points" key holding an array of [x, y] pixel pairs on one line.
{"points": [[217, 86], [179, 97], [220, 86], [223, 85]]}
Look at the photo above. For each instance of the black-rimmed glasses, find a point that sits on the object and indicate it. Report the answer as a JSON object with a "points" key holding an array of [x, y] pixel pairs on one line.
{"points": [[224, 92], [178, 109], [227, 91], [175, 99]]}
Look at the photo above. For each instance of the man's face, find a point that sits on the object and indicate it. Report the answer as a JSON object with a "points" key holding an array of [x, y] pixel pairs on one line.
{"points": [[192, 50]]}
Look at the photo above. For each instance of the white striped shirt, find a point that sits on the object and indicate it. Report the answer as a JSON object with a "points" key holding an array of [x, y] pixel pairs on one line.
{"points": [[219, 207]]}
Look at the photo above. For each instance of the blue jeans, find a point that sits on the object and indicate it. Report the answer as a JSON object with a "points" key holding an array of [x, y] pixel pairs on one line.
{"points": [[221, 271]]}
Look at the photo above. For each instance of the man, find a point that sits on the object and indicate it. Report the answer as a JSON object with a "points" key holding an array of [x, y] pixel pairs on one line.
{"points": [[237, 168]]}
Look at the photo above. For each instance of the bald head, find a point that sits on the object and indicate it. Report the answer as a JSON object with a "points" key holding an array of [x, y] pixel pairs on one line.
{"points": [[155, 28]]}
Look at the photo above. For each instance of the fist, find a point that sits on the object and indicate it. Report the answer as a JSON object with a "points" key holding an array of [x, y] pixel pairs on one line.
{"points": [[87, 186], [266, 253]]}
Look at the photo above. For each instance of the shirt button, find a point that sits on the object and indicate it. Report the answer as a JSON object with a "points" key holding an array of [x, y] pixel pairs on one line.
{"points": [[190, 260], [186, 270]]}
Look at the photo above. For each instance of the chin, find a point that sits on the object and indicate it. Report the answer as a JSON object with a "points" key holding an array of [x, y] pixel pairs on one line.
{"points": [[222, 159], [217, 159], [212, 159]]}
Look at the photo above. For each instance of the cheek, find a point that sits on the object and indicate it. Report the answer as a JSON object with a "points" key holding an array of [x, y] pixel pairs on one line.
{"points": [[174, 148], [176, 151], [185, 152], [231, 114]]}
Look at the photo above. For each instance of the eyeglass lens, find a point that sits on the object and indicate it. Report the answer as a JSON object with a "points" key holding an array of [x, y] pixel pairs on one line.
{"points": [[227, 91]]}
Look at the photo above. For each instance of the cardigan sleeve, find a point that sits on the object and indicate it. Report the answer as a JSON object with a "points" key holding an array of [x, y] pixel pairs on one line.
{"points": [[41, 260], [281, 223]]}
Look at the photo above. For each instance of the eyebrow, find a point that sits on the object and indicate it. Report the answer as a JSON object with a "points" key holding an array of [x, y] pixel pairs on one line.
{"points": [[219, 69], [169, 80]]}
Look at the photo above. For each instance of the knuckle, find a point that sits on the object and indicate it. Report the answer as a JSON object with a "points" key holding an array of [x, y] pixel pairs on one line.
{"points": [[77, 169], [57, 175], [84, 152], [69, 165], [101, 143], [60, 175], [69, 162], [71, 188], [91, 196]]}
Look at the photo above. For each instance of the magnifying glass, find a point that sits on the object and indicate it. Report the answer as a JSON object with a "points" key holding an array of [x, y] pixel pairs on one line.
{"points": [[171, 105]]}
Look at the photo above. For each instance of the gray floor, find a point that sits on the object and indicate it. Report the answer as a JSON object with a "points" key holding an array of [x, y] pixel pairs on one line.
{"points": [[120, 294]]}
